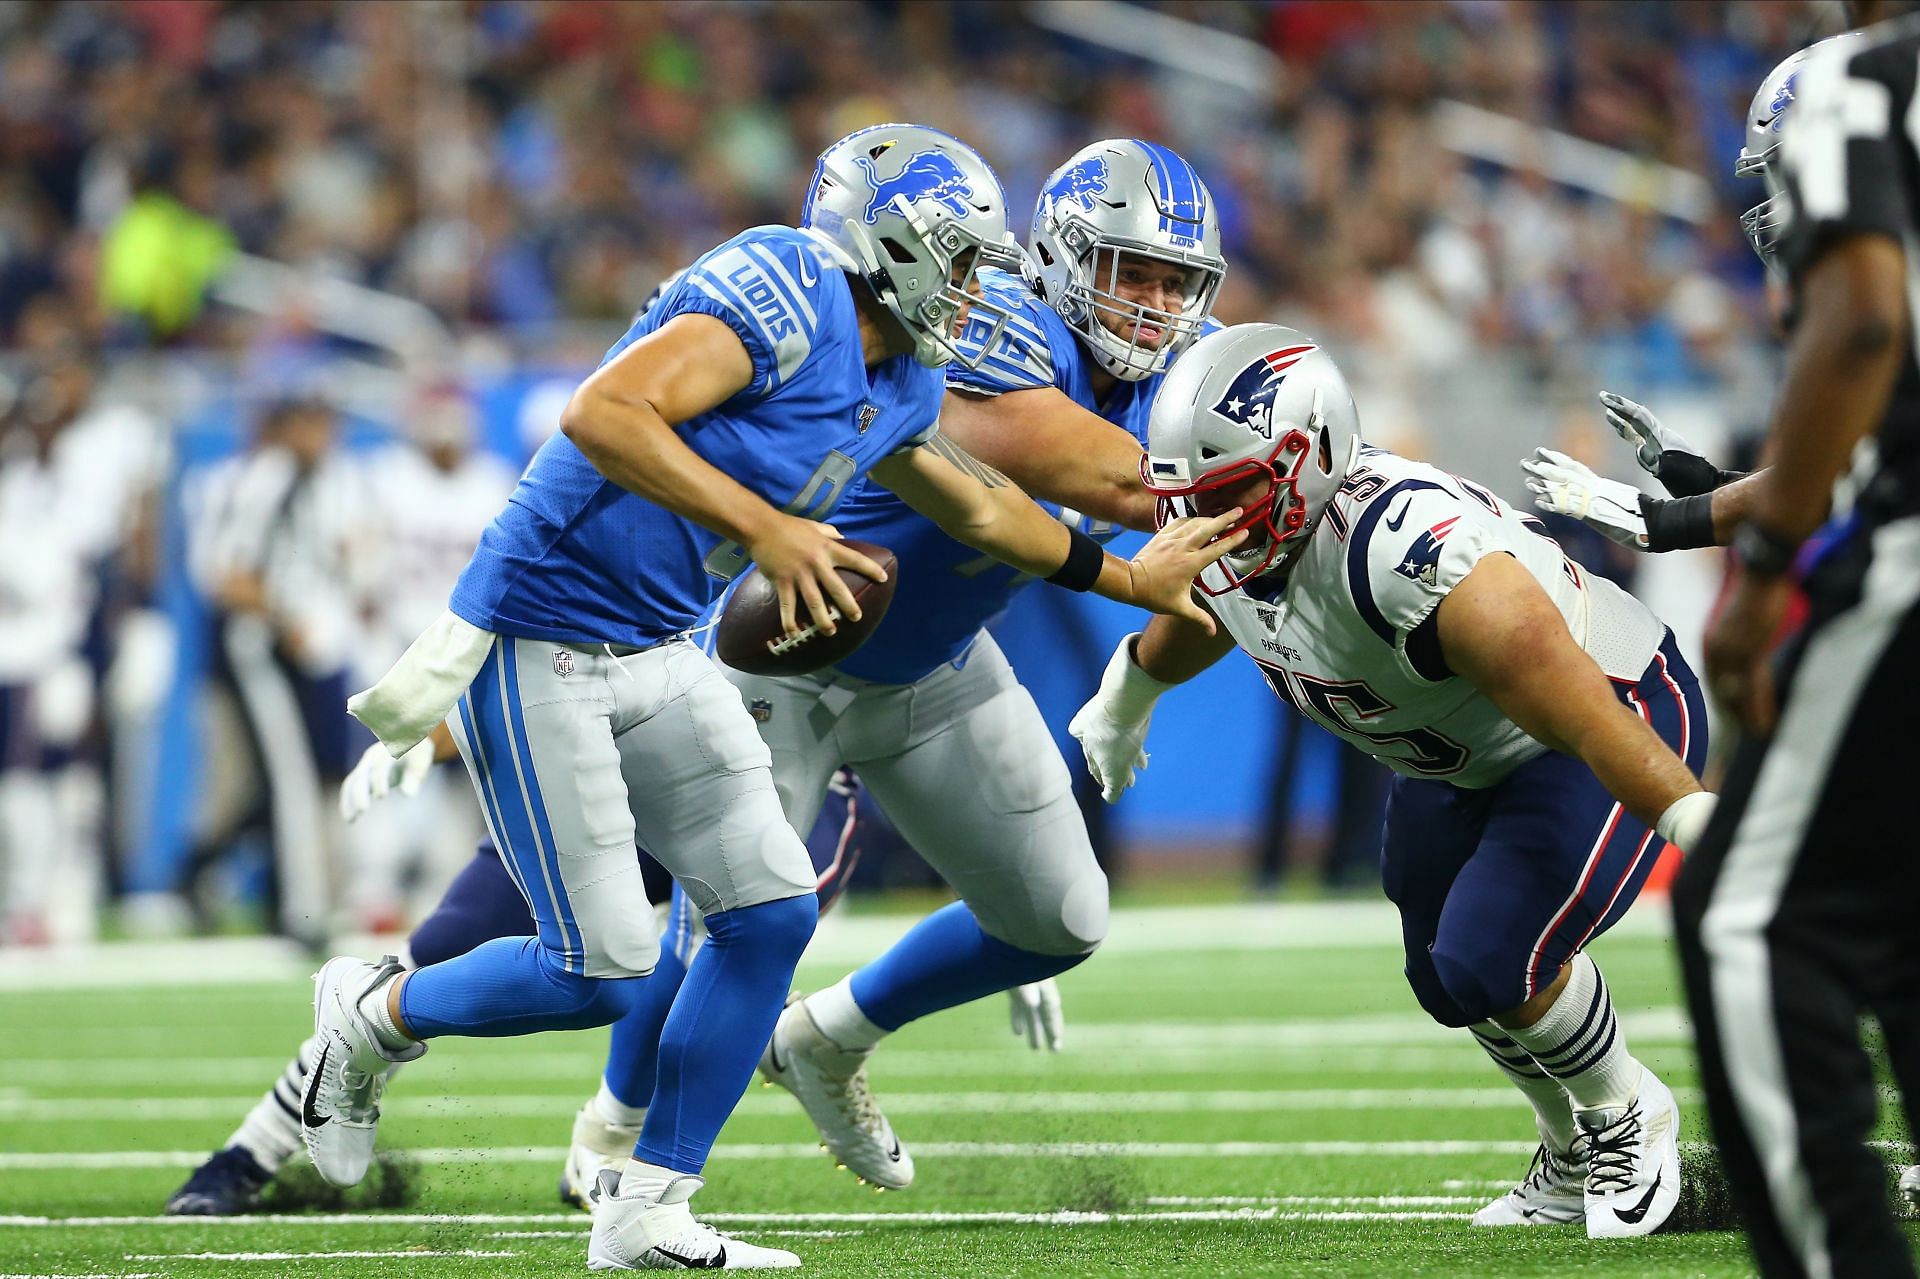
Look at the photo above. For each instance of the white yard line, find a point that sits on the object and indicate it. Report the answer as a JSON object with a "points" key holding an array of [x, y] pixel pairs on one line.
{"points": [[842, 940], [315, 1256], [1270, 1212], [117, 1159], [561, 1107]]}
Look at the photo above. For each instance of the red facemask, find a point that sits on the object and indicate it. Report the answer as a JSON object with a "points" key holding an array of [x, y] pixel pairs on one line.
{"points": [[1280, 512]]}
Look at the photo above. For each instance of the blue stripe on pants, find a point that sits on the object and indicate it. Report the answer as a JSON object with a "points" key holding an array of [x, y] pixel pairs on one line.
{"points": [[502, 770], [543, 826]]}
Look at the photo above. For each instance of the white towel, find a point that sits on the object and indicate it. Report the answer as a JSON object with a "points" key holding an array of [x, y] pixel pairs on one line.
{"points": [[413, 698]]}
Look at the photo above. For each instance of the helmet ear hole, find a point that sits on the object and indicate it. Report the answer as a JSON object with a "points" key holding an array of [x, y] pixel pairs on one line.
{"points": [[1208, 453], [897, 251], [1324, 453]]}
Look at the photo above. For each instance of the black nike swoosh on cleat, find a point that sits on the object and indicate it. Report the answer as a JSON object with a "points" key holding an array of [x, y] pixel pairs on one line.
{"points": [[1635, 1215], [718, 1261], [308, 1115], [773, 1057], [894, 1154]]}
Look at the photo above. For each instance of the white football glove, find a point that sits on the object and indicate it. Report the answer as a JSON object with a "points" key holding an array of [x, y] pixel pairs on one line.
{"points": [[1562, 486], [1636, 424], [378, 773], [1112, 727], [1036, 1014]]}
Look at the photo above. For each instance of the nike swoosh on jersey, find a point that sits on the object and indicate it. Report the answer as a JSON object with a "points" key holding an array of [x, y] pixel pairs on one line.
{"points": [[800, 269], [1633, 1216], [308, 1115], [1395, 521], [718, 1261]]}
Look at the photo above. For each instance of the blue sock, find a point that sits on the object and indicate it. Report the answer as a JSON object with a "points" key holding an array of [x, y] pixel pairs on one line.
{"points": [[720, 1024], [945, 961], [633, 1053], [509, 986]]}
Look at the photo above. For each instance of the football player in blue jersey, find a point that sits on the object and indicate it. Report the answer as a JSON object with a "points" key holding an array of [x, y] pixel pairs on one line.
{"points": [[738, 411], [1052, 388]]}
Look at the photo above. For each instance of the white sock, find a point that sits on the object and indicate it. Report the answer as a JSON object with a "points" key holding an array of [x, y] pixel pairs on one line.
{"points": [[614, 1111], [373, 1006], [271, 1130], [1552, 1108], [1579, 1043], [841, 1020], [649, 1181]]}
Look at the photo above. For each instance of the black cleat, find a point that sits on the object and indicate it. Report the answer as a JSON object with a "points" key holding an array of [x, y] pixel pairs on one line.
{"points": [[227, 1185]]}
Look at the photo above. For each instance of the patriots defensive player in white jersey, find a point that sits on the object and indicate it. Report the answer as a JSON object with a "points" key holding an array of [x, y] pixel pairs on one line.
{"points": [[778, 371], [1545, 728]]}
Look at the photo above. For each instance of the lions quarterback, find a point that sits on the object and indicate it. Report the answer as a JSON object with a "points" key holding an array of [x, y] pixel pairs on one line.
{"points": [[736, 412], [1545, 728]]}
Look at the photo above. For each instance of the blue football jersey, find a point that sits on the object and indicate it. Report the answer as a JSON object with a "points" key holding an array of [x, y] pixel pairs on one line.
{"points": [[946, 591], [578, 559]]}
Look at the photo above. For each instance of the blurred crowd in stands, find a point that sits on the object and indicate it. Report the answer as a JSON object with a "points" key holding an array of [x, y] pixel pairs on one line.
{"points": [[530, 170], [519, 164]]}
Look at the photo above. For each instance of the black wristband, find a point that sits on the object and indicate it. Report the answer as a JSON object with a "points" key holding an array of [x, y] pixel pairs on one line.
{"points": [[1082, 567], [1763, 552], [1678, 524], [1689, 474]]}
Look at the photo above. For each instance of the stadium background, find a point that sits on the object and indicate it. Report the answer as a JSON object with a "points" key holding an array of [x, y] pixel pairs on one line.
{"points": [[1488, 211]]}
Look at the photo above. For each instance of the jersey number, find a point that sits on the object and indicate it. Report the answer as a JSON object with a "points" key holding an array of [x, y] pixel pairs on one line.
{"points": [[1348, 706], [821, 491]]}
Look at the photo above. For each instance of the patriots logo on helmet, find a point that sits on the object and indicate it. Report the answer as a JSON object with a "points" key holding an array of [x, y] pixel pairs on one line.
{"points": [[1080, 184], [928, 175], [1249, 399], [1422, 562]]}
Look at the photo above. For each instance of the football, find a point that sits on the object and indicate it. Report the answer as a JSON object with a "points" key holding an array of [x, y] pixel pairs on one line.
{"points": [[749, 637]]}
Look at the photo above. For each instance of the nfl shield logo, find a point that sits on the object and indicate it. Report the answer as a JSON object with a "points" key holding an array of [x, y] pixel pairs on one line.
{"points": [[1269, 617], [761, 709], [868, 412], [562, 662]]}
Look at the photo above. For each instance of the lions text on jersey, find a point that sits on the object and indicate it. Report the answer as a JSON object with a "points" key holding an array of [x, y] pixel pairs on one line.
{"points": [[1349, 638], [575, 558], [947, 591]]}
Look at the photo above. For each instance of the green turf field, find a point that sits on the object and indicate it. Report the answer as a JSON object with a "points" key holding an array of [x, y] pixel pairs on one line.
{"points": [[1244, 1091]]}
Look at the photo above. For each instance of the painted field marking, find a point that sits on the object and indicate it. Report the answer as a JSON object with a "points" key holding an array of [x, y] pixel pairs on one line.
{"points": [[356, 1255], [1065, 1217]]}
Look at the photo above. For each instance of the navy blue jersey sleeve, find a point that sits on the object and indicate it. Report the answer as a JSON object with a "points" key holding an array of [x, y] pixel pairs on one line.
{"points": [[1842, 152], [1022, 354], [766, 285]]}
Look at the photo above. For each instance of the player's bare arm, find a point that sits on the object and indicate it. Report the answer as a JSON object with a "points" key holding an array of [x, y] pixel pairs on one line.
{"points": [[623, 417], [974, 503], [1501, 633], [1055, 450], [1174, 650], [1841, 367]]}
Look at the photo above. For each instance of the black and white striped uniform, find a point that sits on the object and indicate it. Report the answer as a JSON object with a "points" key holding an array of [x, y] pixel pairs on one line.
{"points": [[299, 528], [1800, 911]]}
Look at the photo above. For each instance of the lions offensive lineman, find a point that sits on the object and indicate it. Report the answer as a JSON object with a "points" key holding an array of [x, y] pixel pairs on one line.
{"points": [[781, 368], [1544, 725]]}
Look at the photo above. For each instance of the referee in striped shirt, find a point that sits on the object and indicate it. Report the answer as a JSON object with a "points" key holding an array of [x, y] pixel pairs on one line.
{"points": [[1799, 912]]}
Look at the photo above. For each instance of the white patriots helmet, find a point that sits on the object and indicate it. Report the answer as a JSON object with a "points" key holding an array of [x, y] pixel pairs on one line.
{"points": [[916, 213], [1766, 119], [1125, 196], [1248, 401]]}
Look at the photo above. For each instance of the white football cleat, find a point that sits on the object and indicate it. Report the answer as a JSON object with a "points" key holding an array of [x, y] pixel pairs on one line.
{"points": [[831, 1084], [340, 1109], [596, 1145], [1633, 1162], [1910, 1187], [1553, 1193], [661, 1234]]}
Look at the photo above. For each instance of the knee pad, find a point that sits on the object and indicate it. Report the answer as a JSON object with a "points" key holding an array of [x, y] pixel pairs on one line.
{"points": [[782, 927], [1433, 996], [1477, 984]]}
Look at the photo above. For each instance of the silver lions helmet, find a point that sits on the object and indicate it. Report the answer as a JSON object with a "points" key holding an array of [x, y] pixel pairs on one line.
{"points": [[1253, 402], [916, 213], [1766, 221], [1113, 201]]}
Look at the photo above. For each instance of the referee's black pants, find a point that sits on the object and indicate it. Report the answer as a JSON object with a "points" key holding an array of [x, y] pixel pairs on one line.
{"points": [[1800, 912]]}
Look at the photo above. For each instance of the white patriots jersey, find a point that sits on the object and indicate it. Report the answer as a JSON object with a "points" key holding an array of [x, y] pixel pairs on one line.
{"points": [[1348, 637]]}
